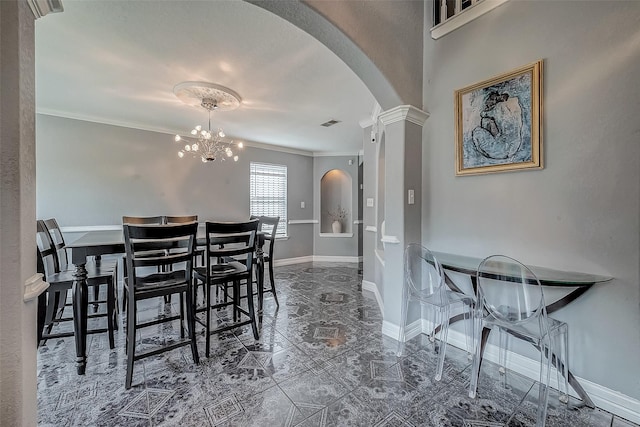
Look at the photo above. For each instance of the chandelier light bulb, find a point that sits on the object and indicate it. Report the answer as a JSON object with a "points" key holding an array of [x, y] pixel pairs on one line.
{"points": [[187, 147], [194, 147], [235, 158], [240, 145], [177, 138], [221, 133], [180, 154]]}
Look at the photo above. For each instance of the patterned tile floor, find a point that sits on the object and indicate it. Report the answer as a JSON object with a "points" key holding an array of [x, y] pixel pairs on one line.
{"points": [[321, 361]]}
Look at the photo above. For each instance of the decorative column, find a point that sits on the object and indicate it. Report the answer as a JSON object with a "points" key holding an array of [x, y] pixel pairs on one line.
{"points": [[402, 205], [19, 286]]}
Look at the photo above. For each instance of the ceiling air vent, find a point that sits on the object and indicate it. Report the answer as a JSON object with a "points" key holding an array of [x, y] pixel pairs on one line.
{"points": [[330, 123]]}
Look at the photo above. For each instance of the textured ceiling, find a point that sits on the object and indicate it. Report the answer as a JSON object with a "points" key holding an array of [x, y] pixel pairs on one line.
{"points": [[117, 62]]}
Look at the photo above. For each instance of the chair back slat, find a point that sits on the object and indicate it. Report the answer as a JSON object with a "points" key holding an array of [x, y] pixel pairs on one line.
{"points": [[180, 219], [47, 254], [58, 242], [143, 219]]}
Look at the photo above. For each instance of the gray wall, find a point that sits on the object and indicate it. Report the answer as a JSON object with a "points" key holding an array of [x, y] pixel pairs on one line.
{"points": [[92, 174], [582, 211]]}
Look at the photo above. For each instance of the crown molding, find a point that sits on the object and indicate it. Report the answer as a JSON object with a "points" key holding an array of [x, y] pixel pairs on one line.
{"points": [[140, 126], [407, 113], [41, 8], [335, 154], [103, 121]]}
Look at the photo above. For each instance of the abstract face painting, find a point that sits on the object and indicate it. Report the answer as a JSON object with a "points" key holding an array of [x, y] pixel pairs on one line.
{"points": [[498, 123]]}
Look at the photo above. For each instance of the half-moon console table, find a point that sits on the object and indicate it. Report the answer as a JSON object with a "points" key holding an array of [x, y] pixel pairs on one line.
{"points": [[578, 283]]}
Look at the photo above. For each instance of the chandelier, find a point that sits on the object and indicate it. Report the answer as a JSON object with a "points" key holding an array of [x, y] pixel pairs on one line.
{"points": [[207, 144]]}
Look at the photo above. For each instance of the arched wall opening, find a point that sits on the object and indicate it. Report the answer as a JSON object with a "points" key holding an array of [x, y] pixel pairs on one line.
{"points": [[335, 202]]}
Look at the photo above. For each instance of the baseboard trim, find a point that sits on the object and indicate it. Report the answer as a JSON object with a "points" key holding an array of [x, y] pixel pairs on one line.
{"points": [[315, 258], [291, 261], [325, 258], [372, 287], [604, 398]]}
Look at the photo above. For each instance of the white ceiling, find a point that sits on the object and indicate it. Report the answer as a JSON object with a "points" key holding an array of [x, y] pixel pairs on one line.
{"points": [[117, 62]]}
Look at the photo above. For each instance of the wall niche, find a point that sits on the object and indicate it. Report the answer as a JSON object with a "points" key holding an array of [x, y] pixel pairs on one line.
{"points": [[335, 202]]}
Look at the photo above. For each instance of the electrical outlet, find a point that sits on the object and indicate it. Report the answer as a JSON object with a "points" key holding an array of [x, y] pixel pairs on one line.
{"points": [[301, 205]]}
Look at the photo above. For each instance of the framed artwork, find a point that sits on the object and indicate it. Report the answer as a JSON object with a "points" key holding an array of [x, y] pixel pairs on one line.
{"points": [[498, 123]]}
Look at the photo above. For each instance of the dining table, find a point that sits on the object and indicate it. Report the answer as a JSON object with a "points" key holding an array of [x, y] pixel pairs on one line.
{"points": [[107, 242], [572, 284]]}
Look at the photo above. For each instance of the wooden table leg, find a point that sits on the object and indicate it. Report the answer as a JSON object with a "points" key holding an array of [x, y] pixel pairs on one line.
{"points": [[80, 303]]}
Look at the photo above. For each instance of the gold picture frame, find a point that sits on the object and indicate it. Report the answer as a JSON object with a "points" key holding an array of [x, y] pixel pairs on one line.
{"points": [[498, 123]]}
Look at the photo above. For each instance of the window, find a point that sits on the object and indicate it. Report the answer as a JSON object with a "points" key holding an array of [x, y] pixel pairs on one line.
{"points": [[268, 193]]}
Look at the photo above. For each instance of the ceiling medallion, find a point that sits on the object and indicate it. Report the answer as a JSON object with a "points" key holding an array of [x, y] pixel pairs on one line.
{"points": [[206, 144]]}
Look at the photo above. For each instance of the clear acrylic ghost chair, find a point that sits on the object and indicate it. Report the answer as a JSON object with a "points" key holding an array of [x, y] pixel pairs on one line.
{"points": [[559, 333], [509, 297], [424, 282]]}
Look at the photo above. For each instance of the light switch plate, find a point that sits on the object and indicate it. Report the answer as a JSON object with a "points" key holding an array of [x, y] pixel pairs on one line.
{"points": [[301, 205], [370, 202], [411, 197]]}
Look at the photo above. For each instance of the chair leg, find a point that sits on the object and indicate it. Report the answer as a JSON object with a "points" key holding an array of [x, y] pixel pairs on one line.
{"points": [[96, 297], [562, 362], [208, 321], [191, 325], [545, 372], [124, 301], [42, 312], [111, 303], [260, 286], [273, 284], [444, 332], [236, 300], [252, 313], [131, 340], [482, 335], [116, 308], [502, 356], [181, 315], [52, 309]]}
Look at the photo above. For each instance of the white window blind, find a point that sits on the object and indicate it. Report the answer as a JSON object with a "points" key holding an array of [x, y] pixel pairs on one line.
{"points": [[268, 193]]}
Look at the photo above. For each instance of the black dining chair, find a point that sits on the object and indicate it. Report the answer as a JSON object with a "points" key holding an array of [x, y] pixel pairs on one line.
{"points": [[138, 220], [172, 275], [95, 266], [268, 225], [53, 301], [227, 242]]}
